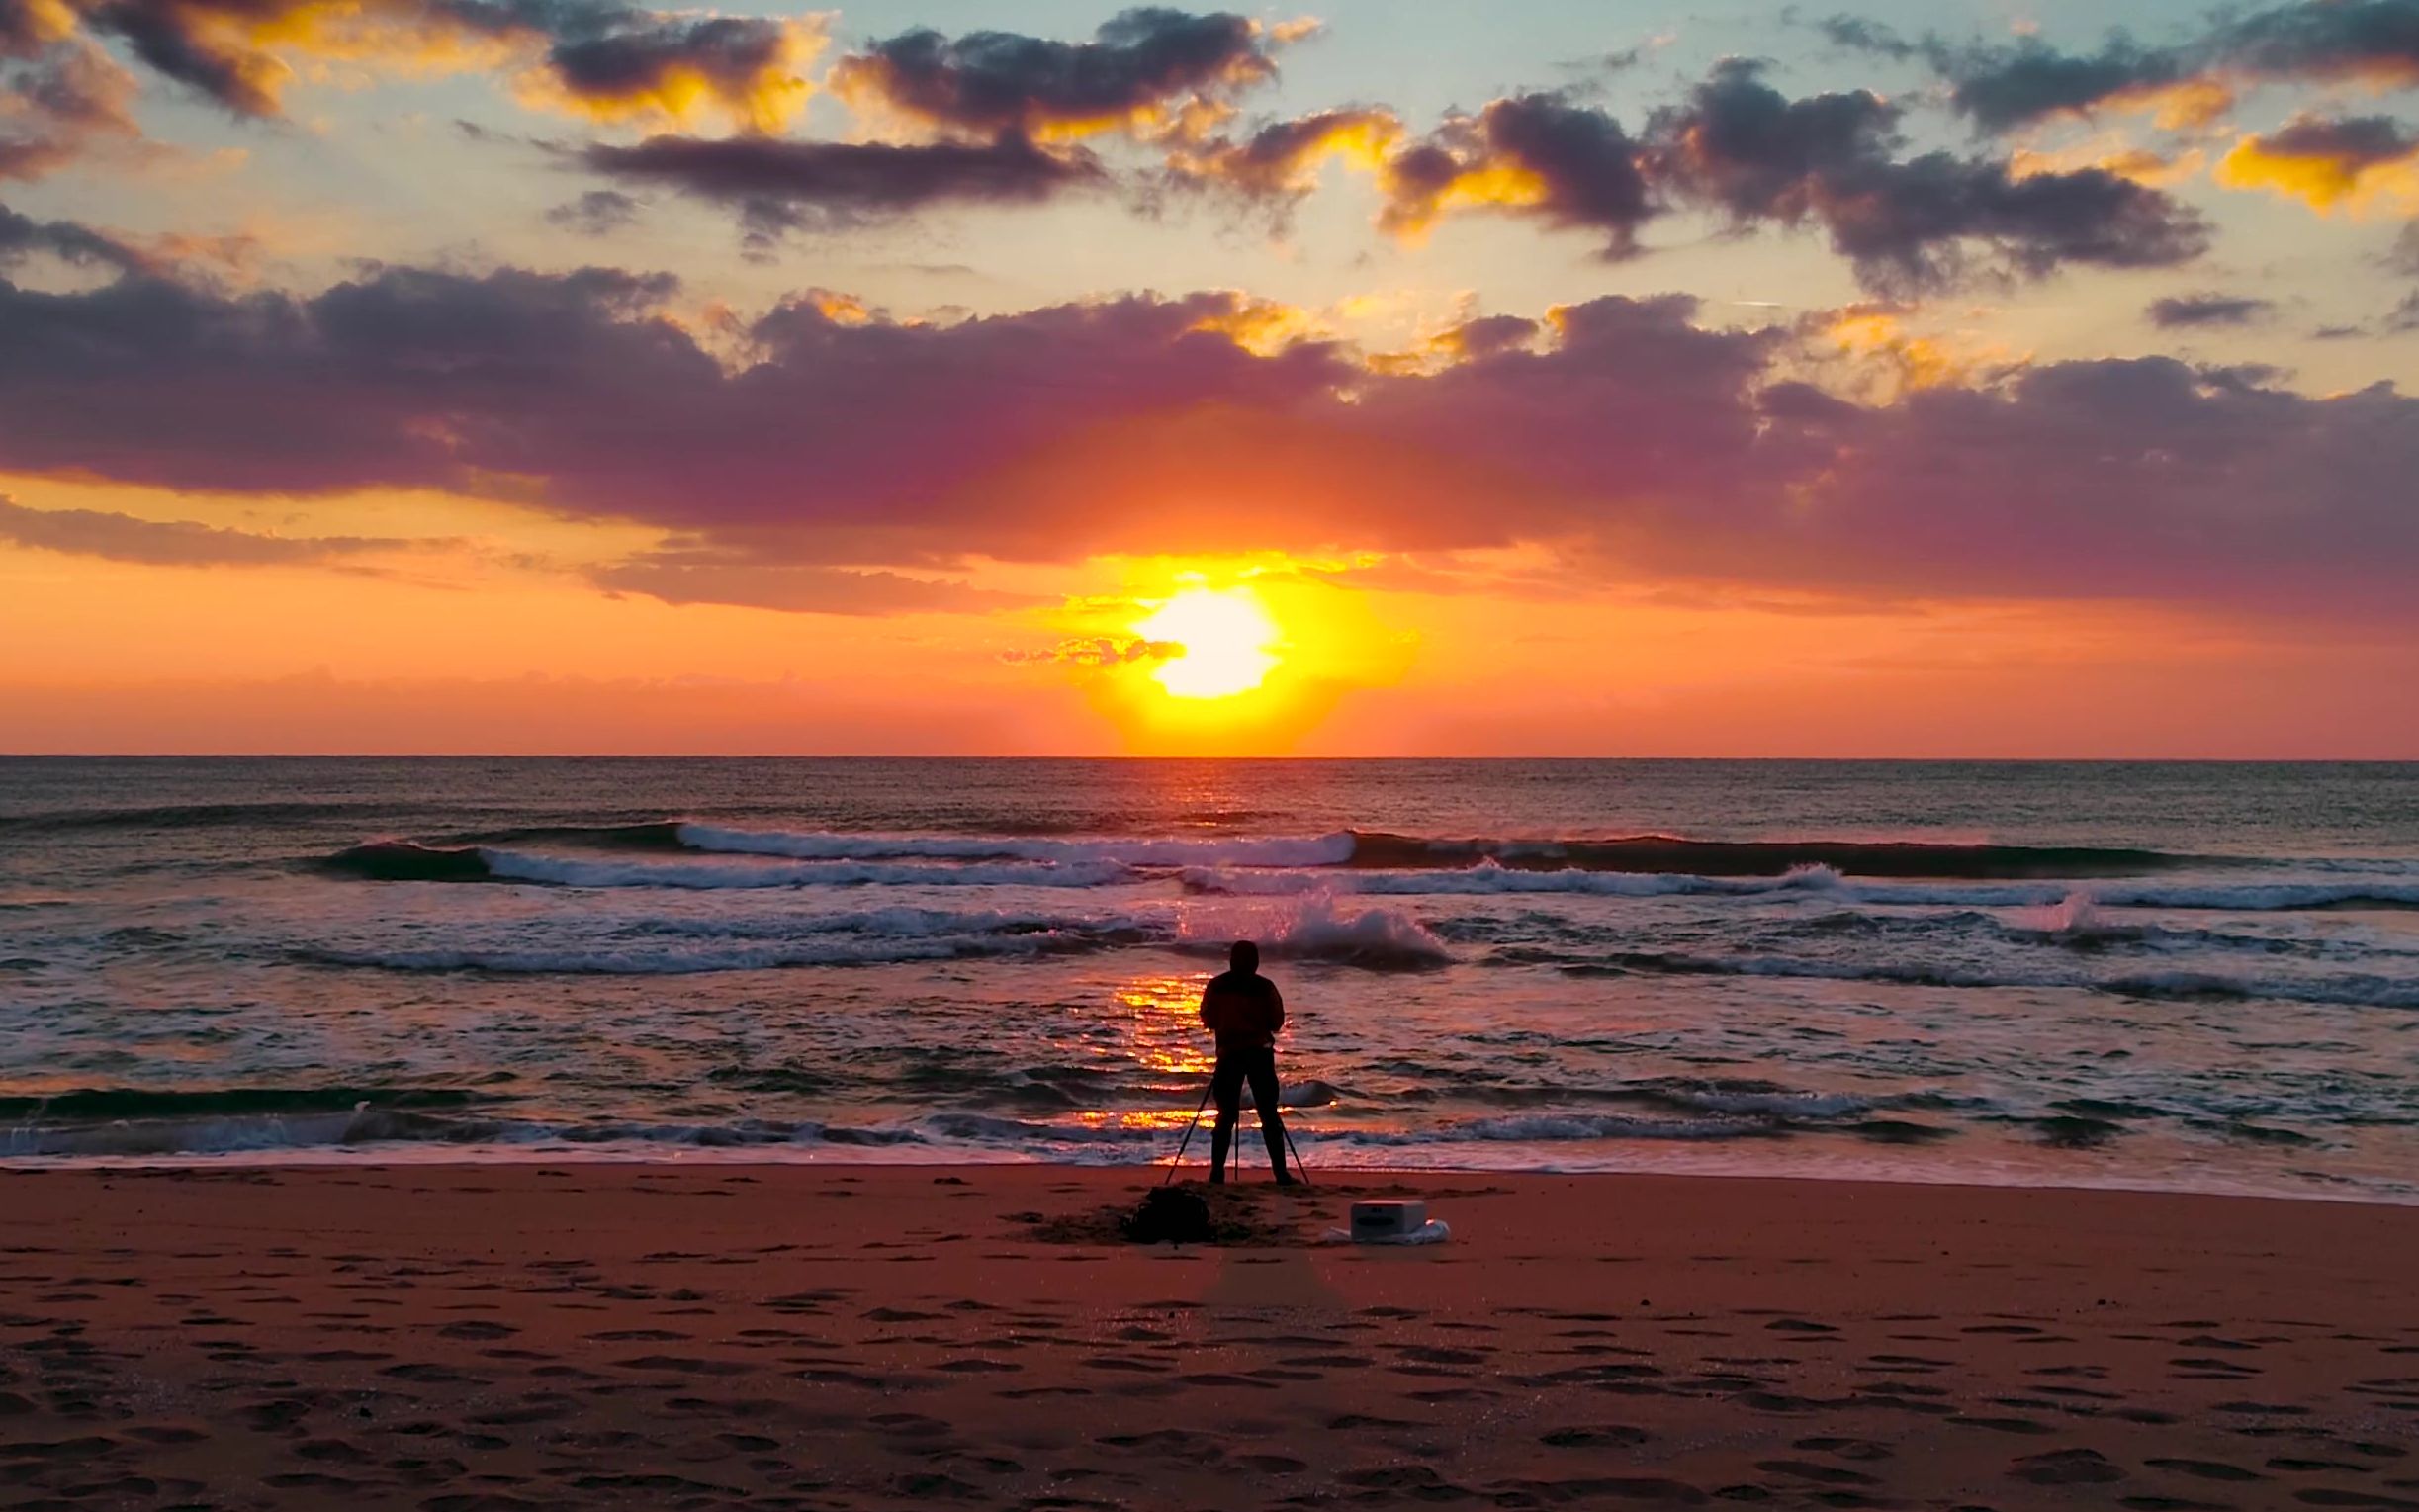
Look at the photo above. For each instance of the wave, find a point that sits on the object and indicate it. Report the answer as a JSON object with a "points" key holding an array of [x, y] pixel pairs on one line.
{"points": [[2350, 990], [1492, 877], [1305, 929], [1314, 851], [112, 1103], [1660, 853], [1315, 927], [406, 862], [698, 959], [178, 816]]}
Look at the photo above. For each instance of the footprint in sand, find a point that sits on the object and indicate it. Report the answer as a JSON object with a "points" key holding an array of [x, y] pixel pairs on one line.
{"points": [[2066, 1466], [2205, 1469], [1600, 1436]]}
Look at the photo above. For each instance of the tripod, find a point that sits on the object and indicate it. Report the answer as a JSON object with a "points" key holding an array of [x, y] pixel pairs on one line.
{"points": [[1186, 1142]]}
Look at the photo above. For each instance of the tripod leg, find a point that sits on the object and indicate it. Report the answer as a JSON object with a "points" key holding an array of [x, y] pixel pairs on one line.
{"points": [[1187, 1143], [1297, 1165]]}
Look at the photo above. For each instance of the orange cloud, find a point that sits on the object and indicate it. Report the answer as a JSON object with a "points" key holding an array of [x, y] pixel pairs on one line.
{"points": [[755, 80], [1283, 162], [2328, 163]]}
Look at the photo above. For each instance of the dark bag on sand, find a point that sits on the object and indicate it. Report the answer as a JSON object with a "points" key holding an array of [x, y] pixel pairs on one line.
{"points": [[1169, 1215]]}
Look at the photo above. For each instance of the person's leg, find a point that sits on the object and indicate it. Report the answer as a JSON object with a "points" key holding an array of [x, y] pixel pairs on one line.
{"points": [[1226, 1090], [1272, 1123]]}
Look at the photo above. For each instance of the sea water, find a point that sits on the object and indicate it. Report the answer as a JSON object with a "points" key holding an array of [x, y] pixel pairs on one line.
{"points": [[2165, 976]]}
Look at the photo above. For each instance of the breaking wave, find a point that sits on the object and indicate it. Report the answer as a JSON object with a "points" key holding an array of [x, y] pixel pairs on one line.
{"points": [[1489, 876], [405, 861], [2349, 991]]}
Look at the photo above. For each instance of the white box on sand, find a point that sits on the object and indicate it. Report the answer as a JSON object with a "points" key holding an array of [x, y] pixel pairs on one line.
{"points": [[1388, 1218]]}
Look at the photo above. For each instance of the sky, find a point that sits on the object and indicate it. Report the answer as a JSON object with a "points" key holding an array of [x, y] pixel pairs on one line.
{"points": [[1854, 378]]}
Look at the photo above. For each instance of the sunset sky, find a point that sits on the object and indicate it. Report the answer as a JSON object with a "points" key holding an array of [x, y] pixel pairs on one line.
{"points": [[1381, 377]]}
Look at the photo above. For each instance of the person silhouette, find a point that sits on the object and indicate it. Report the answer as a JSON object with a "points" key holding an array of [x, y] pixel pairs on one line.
{"points": [[1246, 1012]]}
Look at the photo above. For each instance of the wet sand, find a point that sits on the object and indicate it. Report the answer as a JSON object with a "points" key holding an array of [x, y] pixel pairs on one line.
{"points": [[497, 1338]]}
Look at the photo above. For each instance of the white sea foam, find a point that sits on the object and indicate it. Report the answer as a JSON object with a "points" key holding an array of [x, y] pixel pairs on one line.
{"points": [[1315, 927], [520, 867], [1488, 877]]}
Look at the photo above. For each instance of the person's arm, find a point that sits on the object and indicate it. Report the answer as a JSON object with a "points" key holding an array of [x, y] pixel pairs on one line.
{"points": [[1209, 995], [1276, 1010]]}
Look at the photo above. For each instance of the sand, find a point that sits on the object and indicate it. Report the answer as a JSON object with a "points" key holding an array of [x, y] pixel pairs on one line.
{"points": [[493, 1338]]}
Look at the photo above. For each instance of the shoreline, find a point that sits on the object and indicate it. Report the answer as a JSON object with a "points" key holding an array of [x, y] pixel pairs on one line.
{"points": [[509, 1337], [744, 1157]]}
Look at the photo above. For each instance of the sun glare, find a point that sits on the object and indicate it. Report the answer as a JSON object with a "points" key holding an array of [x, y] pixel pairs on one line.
{"points": [[1228, 638]]}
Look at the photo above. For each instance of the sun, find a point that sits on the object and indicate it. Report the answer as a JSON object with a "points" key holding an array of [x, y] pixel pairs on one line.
{"points": [[1229, 642]]}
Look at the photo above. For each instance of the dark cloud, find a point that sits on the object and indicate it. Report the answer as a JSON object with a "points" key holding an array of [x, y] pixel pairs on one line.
{"points": [[1862, 36], [720, 577], [1740, 145], [2184, 311], [173, 543], [2372, 41], [2002, 88], [598, 57], [2355, 141], [2009, 86], [1617, 430], [22, 235], [1539, 155], [779, 184], [597, 213], [1142, 67]]}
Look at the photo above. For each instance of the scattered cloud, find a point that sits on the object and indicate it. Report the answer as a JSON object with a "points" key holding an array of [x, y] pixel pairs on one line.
{"points": [[2329, 163], [1151, 70], [597, 213], [1905, 223], [600, 58], [63, 100], [175, 543], [1099, 650], [710, 576], [2193, 312], [780, 185], [840, 439]]}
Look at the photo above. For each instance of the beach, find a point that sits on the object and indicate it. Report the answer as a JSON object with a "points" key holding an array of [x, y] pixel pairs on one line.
{"points": [[490, 1337]]}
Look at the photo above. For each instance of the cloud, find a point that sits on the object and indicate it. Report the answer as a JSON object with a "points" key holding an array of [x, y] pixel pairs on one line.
{"points": [[1737, 146], [1279, 164], [597, 213], [64, 100], [2005, 87], [21, 236], [1619, 435], [2373, 41], [780, 185], [706, 577], [2001, 89], [1537, 155], [2188, 311], [600, 58], [1909, 223], [174, 543], [1099, 650], [1151, 70], [641, 65], [2327, 162]]}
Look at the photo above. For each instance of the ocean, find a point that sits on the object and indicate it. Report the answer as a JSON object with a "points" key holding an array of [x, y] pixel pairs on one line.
{"points": [[2191, 976]]}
